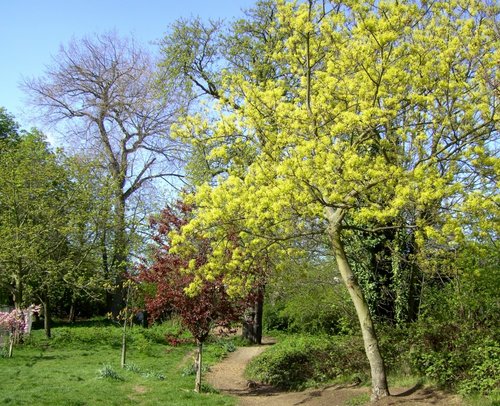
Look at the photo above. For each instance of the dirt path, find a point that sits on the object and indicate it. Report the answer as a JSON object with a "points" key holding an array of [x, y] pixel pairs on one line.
{"points": [[228, 377]]}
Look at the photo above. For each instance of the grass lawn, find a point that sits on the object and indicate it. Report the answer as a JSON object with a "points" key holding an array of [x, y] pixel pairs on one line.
{"points": [[74, 368]]}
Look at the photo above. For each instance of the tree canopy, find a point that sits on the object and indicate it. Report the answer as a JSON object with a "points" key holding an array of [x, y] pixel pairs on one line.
{"points": [[53, 213], [378, 117]]}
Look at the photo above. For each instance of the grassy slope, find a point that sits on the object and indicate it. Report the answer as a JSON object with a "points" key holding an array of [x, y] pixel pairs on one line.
{"points": [[67, 372]]}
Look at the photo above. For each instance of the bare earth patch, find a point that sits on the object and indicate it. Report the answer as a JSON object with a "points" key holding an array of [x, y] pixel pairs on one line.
{"points": [[140, 389], [228, 377], [137, 391]]}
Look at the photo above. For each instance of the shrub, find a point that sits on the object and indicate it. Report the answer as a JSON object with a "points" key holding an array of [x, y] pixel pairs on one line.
{"points": [[457, 357], [107, 371], [148, 373], [484, 375], [132, 367], [300, 361], [395, 347], [455, 341]]}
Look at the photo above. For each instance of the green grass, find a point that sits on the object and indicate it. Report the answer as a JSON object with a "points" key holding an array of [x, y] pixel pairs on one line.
{"points": [[68, 370], [492, 400], [358, 400]]}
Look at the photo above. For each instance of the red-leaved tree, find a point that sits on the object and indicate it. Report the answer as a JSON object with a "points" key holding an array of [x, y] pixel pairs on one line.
{"points": [[211, 307]]}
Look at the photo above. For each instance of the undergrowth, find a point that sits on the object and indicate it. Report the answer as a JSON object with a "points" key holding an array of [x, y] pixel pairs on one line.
{"points": [[299, 361]]}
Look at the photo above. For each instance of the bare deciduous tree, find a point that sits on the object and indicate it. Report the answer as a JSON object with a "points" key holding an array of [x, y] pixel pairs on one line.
{"points": [[102, 89]]}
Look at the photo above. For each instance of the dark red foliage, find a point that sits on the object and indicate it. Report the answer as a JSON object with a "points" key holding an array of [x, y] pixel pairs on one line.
{"points": [[211, 307], [174, 340]]}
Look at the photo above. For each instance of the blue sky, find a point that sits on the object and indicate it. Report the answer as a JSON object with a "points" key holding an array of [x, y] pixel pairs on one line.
{"points": [[31, 31]]}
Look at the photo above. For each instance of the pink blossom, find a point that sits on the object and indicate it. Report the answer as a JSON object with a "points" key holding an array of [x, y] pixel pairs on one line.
{"points": [[17, 320]]}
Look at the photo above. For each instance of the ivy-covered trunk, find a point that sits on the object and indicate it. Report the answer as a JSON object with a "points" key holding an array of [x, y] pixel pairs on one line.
{"points": [[377, 367]]}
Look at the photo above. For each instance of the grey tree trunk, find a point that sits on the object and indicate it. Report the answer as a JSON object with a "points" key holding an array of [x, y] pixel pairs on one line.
{"points": [[72, 313], [18, 289], [46, 317], [377, 367]]}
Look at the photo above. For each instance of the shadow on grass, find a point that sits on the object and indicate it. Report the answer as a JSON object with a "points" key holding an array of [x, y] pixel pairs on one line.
{"points": [[94, 322]]}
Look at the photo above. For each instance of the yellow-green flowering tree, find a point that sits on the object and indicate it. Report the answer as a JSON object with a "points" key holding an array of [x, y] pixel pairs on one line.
{"points": [[377, 116]]}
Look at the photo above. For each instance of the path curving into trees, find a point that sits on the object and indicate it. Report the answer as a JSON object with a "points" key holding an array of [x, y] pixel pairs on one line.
{"points": [[228, 377]]}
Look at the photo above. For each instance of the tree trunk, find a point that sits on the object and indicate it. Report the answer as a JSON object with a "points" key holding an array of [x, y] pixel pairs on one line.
{"points": [[252, 325], [18, 289], [416, 280], [106, 270], [120, 256], [414, 294], [12, 338], [378, 375], [72, 310], [117, 297], [199, 362], [72, 314], [46, 317], [124, 343], [259, 310], [124, 332]]}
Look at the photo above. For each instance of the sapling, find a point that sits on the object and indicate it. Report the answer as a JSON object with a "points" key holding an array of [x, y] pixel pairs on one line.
{"points": [[210, 306], [125, 316]]}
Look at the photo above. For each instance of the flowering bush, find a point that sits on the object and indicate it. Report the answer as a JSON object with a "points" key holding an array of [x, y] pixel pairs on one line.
{"points": [[17, 321]]}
